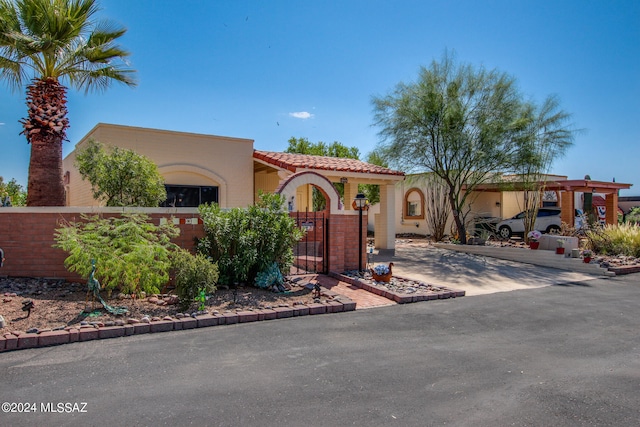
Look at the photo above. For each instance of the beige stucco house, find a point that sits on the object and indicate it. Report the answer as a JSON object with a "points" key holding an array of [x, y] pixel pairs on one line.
{"points": [[492, 201], [208, 168]]}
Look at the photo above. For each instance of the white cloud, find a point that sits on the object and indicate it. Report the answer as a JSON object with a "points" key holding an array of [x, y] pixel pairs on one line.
{"points": [[301, 115]]}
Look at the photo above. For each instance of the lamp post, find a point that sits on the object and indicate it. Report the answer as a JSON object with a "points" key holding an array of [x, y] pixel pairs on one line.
{"points": [[360, 203]]}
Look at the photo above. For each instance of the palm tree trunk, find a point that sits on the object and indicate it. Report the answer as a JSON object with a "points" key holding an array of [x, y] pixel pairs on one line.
{"points": [[45, 187], [45, 129]]}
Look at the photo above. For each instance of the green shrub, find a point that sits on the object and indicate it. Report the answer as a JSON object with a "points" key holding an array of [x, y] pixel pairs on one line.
{"points": [[633, 217], [193, 273], [623, 239], [245, 242], [131, 253]]}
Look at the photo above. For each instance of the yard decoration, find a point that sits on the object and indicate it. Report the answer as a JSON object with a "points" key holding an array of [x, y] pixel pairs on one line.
{"points": [[586, 256], [382, 273], [534, 237], [271, 278], [94, 288], [28, 306], [560, 248]]}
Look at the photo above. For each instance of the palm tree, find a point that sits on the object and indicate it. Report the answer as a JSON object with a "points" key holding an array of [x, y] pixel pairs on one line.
{"points": [[49, 41]]}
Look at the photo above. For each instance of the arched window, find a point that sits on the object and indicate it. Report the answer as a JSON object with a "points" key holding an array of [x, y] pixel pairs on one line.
{"points": [[414, 204]]}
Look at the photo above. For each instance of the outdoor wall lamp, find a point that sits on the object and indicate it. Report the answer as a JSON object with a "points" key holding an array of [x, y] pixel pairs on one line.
{"points": [[360, 203]]}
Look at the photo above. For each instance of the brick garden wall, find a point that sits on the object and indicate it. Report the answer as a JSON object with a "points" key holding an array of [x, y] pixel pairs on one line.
{"points": [[26, 236]]}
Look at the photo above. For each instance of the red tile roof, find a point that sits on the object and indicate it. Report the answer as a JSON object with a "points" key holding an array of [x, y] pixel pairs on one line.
{"points": [[293, 162]]}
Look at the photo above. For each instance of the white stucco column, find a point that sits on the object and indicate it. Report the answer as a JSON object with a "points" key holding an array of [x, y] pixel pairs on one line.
{"points": [[385, 221], [350, 192]]}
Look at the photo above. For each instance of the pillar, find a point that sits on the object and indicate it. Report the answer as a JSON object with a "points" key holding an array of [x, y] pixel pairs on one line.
{"points": [[350, 192], [568, 208], [385, 221], [611, 203]]}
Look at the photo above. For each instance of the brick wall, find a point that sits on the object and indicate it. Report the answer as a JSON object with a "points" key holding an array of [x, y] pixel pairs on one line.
{"points": [[27, 237], [343, 241]]}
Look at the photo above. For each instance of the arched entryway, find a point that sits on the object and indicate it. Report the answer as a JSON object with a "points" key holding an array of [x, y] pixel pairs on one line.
{"points": [[311, 254]]}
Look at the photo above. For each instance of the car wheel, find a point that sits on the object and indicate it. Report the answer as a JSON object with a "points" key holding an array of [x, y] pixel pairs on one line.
{"points": [[553, 229], [505, 232]]}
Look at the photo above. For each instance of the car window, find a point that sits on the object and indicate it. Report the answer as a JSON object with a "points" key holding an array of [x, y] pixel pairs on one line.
{"points": [[548, 213]]}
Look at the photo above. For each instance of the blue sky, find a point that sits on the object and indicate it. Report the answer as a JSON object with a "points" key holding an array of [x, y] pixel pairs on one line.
{"points": [[270, 70]]}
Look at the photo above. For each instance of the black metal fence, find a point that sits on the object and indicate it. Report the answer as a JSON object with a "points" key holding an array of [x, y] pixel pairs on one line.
{"points": [[311, 253]]}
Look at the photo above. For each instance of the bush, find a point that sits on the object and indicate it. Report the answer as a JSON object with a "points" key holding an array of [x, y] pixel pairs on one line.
{"points": [[131, 253], [623, 239], [193, 273], [245, 242], [633, 217]]}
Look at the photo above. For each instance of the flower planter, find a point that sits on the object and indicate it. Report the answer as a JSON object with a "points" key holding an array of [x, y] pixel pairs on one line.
{"points": [[586, 259], [381, 277], [534, 245], [560, 251]]}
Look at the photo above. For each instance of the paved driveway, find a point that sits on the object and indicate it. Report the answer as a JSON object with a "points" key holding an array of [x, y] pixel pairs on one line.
{"points": [[477, 275], [564, 355]]}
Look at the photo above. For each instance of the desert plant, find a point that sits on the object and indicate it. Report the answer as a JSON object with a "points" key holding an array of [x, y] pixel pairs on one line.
{"points": [[131, 253], [633, 217], [623, 239], [193, 274], [245, 242]]}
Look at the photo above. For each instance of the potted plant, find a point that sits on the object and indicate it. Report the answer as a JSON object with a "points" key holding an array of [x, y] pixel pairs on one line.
{"points": [[586, 256], [381, 272], [534, 237], [560, 248]]}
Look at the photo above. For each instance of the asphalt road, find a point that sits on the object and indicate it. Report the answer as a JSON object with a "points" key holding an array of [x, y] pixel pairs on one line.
{"points": [[563, 355]]}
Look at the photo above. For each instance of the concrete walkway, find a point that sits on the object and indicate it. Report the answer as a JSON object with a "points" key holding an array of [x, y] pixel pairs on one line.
{"points": [[482, 270]]}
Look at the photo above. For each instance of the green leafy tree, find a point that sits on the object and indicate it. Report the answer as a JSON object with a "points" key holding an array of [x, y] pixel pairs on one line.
{"points": [[132, 253], [120, 177], [544, 137], [462, 123], [372, 191], [245, 242], [336, 149], [14, 191], [47, 42]]}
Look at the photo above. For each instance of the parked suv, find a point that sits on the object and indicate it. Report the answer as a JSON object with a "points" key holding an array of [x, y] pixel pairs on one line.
{"points": [[547, 221]]}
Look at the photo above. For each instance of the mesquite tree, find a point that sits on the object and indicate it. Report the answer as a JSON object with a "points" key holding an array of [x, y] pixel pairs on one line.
{"points": [[462, 123]]}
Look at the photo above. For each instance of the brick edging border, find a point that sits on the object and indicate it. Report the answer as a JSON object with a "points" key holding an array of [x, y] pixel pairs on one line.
{"points": [[620, 271], [71, 334], [397, 297]]}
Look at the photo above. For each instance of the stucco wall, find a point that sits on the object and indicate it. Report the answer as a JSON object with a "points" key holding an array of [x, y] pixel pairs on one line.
{"points": [[182, 158]]}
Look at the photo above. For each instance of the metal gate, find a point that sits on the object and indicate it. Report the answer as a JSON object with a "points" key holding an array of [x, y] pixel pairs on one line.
{"points": [[311, 254]]}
